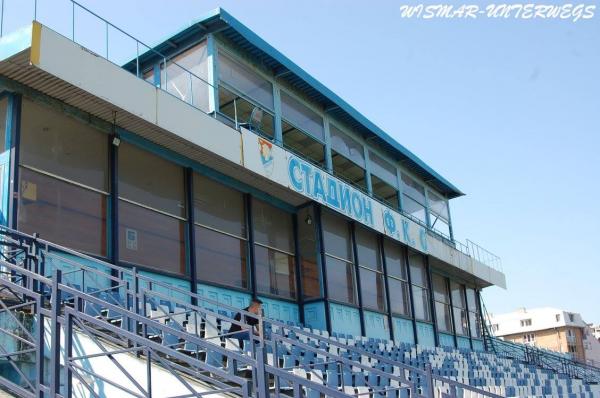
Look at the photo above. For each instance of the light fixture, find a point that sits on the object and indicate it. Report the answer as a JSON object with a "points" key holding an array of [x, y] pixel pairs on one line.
{"points": [[308, 219], [116, 141]]}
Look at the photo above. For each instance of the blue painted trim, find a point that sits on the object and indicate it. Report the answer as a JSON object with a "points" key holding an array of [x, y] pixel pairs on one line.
{"points": [[328, 156], [213, 73], [277, 109], [202, 169]]}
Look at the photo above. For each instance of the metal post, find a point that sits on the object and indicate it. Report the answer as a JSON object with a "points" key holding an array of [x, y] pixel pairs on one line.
{"points": [[35, 10], [2, 19], [106, 24], [114, 199], [39, 354], [436, 335], [250, 226], [73, 22], [412, 300], [387, 288], [137, 58], [449, 289], [14, 118], [430, 391], [55, 335], [69, 352], [322, 259], [149, 373], [297, 266], [261, 373], [357, 278], [189, 181]]}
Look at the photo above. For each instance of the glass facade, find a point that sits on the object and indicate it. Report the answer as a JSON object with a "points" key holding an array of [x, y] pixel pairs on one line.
{"points": [[347, 158], [303, 130], [441, 298], [459, 304], [307, 250], [152, 211], [177, 79], [474, 314], [384, 181], [395, 261], [220, 233], [63, 179], [245, 96], [439, 216], [274, 250], [420, 286], [413, 199], [339, 259], [372, 285]]}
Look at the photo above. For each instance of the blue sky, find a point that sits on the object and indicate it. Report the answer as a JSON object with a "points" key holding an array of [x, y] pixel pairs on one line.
{"points": [[507, 110]]}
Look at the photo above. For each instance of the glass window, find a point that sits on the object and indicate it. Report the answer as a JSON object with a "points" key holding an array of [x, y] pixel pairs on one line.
{"points": [[460, 313], [186, 76], [151, 211], [382, 169], [163, 189], [442, 303], [369, 255], [371, 270], [413, 198], [63, 179], [399, 297], [63, 213], [395, 259], [384, 192], [474, 319], [63, 146], [372, 290], [151, 239], [309, 264], [246, 81], [274, 250], [219, 207], [221, 240], [346, 146], [337, 236], [340, 281], [438, 214], [348, 171], [240, 109], [221, 258], [3, 111], [302, 144], [420, 286], [302, 117]]}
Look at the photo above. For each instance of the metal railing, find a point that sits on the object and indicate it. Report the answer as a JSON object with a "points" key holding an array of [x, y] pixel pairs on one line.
{"points": [[82, 281]]}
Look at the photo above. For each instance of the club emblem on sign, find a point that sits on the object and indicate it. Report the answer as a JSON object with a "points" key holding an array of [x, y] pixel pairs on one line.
{"points": [[265, 149]]}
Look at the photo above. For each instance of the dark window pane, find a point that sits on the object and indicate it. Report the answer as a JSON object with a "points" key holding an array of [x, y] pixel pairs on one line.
{"points": [[161, 189], [395, 259], [63, 146], [275, 273], [340, 281], [302, 116], [240, 109], [311, 276], [418, 273], [368, 249], [302, 144], [440, 289], [348, 171], [421, 302], [474, 322], [62, 213], [443, 317], [336, 236], [399, 297], [372, 290], [151, 239], [462, 324], [219, 207], [272, 226], [384, 191], [221, 258]]}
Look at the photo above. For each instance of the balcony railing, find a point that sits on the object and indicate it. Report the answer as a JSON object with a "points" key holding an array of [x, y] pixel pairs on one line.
{"points": [[86, 28]]}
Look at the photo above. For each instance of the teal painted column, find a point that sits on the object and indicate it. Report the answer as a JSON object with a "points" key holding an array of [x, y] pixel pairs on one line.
{"points": [[212, 73]]}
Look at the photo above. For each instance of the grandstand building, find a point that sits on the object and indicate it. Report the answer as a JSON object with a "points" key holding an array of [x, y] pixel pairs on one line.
{"points": [[150, 192]]}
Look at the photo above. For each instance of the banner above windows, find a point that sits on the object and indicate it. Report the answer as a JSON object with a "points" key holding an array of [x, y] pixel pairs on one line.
{"points": [[275, 163]]}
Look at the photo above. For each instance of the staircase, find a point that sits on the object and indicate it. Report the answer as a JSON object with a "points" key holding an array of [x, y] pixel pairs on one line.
{"points": [[83, 327]]}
